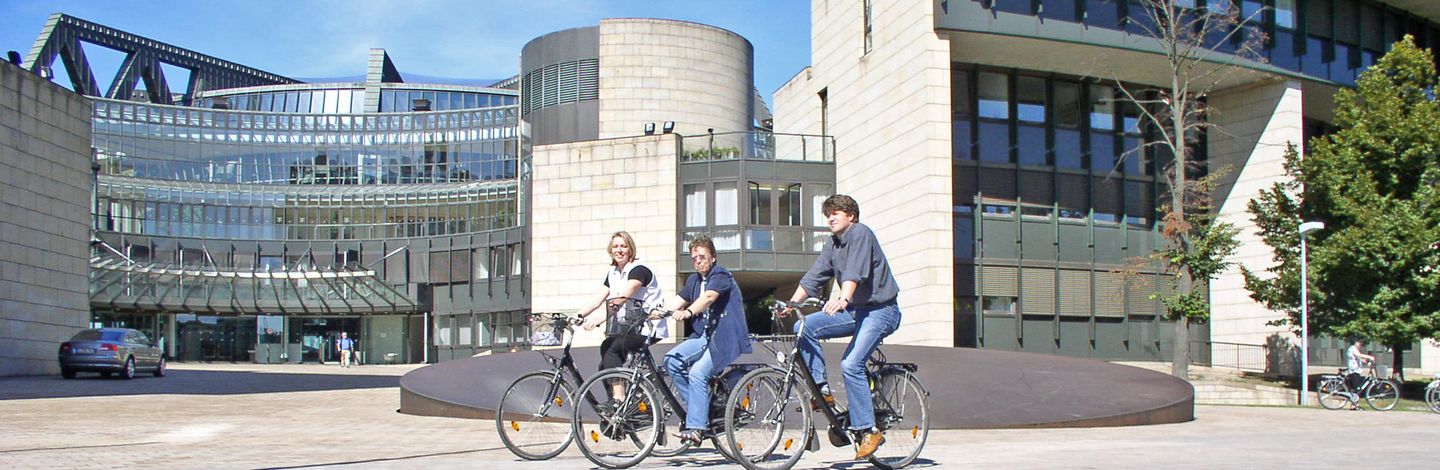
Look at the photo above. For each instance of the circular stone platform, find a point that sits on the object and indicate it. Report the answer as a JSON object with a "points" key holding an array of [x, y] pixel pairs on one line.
{"points": [[969, 388]]}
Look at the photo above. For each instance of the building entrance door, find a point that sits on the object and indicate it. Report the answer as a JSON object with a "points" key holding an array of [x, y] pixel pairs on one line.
{"points": [[318, 336]]}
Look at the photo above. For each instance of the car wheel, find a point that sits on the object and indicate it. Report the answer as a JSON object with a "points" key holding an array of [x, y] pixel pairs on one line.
{"points": [[160, 367], [129, 372], [67, 373]]}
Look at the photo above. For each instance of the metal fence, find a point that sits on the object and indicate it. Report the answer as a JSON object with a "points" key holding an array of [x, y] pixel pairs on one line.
{"points": [[1238, 356]]}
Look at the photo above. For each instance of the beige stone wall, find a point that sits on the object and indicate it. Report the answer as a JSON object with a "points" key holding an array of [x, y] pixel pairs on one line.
{"points": [[653, 70], [1260, 120], [890, 113], [584, 192], [44, 220]]}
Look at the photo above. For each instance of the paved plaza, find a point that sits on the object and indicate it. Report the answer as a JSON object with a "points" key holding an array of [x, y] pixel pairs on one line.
{"points": [[307, 416]]}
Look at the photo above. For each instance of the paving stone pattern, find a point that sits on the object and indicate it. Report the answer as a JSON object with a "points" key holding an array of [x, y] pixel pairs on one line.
{"points": [[304, 416]]}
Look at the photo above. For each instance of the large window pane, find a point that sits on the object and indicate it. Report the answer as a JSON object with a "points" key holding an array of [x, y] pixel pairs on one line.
{"points": [[1030, 111], [963, 113], [994, 110], [695, 196], [1102, 128], [727, 203], [1068, 114], [790, 204], [760, 203]]}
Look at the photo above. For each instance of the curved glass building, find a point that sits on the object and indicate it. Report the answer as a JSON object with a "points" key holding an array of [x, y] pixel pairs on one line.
{"points": [[251, 217]]}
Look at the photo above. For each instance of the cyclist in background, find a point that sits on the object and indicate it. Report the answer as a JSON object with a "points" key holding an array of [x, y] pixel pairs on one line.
{"points": [[864, 307], [1356, 361]]}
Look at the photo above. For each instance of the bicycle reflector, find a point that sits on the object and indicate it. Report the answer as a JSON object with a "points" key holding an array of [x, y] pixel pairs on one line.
{"points": [[559, 401], [745, 404], [789, 442], [594, 436], [643, 408], [915, 432], [515, 425]]}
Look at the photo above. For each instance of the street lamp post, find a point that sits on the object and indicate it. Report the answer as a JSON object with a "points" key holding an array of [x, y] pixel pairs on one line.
{"points": [[1305, 228]]}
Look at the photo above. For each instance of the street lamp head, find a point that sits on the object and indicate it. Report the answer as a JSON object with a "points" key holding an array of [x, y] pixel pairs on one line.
{"points": [[1308, 227]]}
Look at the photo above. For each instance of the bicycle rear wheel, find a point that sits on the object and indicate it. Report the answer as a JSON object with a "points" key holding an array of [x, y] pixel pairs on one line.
{"points": [[533, 417], [1432, 396], [1331, 393], [1383, 395], [902, 411], [618, 432], [767, 420]]}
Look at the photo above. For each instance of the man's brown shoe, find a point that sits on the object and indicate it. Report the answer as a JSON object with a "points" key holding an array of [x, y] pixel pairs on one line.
{"points": [[869, 443], [829, 401]]}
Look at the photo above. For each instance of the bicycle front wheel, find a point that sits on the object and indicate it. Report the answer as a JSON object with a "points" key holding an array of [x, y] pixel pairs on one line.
{"points": [[767, 420], [1383, 395], [617, 419], [902, 411], [534, 416], [1432, 396], [1331, 393]]}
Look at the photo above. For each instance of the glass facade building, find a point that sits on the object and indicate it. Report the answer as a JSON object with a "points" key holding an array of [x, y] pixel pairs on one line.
{"points": [[253, 217]]}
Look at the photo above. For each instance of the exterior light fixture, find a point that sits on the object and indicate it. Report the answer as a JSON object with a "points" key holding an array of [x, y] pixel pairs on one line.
{"points": [[649, 128], [669, 127], [1305, 228]]}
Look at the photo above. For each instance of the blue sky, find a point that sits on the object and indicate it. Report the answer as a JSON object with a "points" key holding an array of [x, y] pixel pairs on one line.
{"points": [[441, 38]]}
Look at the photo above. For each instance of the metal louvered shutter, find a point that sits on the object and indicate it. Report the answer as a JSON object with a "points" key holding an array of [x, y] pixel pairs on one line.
{"points": [[1142, 286], [1109, 294], [1039, 290], [1075, 293], [998, 280]]}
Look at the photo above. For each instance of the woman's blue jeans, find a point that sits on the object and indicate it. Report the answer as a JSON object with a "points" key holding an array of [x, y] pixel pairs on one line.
{"points": [[869, 325]]}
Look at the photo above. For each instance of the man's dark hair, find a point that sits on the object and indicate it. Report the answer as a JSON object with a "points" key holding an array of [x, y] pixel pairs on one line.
{"points": [[841, 202], [702, 241]]}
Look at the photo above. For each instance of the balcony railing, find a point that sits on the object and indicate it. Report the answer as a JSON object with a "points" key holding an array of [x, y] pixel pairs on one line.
{"points": [[757, 146]]}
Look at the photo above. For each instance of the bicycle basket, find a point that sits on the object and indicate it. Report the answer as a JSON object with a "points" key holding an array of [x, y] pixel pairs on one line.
{"points": [[1382, 371], [625, 319], [546, 332]]}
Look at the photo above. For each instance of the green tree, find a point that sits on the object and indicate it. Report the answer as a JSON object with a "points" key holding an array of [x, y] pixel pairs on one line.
{"points": [[1373, 182]]}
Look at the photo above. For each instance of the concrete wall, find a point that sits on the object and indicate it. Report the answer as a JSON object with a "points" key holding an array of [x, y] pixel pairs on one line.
{"points": [[890, 112], [584, 192], [1258, 121], [701, 77], [45, 191]]}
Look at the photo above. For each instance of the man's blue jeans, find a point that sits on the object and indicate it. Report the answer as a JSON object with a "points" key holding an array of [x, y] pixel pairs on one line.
{"points": [[874, 324], [691, 368]]}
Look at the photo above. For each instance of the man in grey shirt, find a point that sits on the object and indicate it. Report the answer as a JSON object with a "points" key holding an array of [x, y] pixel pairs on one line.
{"points": [[863, 307]]}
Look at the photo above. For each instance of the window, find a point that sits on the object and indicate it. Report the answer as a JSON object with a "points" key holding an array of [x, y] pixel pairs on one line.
{"points": [[1285, 14], [962, 114], [727, 203], [994, 91], [1068, 114], [818, 194], [695, 196], [1102, 128], [790, 204], [1030, 110], [760, 203], [998, 305]]}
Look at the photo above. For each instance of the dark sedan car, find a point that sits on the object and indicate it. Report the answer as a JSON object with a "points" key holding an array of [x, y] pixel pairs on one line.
{"points": [[111, 350]]}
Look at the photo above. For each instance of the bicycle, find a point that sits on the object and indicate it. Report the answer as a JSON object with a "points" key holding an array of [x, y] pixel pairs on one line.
{"points": [[644, 383], [1380, 394], [536, 409], [1432, 394], [766, 402]]}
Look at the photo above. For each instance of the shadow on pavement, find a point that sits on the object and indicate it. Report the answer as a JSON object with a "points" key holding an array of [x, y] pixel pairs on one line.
{"points": [[186, 382]]}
